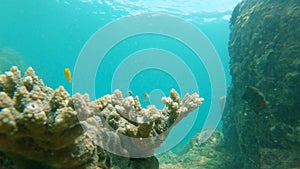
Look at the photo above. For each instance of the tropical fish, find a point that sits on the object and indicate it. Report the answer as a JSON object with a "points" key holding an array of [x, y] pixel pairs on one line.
{"points": [[145, 96], [255, 99], [68, 74]]}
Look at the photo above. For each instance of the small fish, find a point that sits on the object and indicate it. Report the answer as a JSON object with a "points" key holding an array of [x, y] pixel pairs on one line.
{"points": [[129, 93], [255, 99], [145, 96], [68, 74]]}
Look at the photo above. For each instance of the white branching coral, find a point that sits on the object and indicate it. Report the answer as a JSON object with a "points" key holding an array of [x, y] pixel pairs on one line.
{"points": [[54, 122], [133, 125]]}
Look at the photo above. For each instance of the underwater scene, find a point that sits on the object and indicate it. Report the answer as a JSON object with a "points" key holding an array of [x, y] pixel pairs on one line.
{"points": [[140, 84]]}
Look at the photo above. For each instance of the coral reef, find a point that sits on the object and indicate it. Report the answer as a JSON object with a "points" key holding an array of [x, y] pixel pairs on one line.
{"points": [[262, 108], [45, 128], [39, 123]]}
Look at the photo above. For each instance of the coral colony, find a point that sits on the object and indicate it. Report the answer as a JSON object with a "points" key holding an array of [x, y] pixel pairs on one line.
{"points": [[42, 125]]}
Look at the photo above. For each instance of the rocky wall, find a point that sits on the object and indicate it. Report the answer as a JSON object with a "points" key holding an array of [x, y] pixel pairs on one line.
{"points": [[262, 112]]}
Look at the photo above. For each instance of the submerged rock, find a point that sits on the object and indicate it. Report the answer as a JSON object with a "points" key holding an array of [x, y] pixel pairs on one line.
{"points": [[264, 52], [205, 150]]}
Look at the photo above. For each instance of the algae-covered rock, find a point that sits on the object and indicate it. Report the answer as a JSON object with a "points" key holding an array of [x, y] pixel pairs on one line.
{"points": [[205, 150], [45, 128], [262, 108]]}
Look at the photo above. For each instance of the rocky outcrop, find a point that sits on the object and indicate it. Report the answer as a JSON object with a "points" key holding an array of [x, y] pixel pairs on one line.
{"points": [[262, 112]]}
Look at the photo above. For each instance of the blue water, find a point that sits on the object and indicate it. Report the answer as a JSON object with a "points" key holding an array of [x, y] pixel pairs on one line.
{"points": [[50, 35]]}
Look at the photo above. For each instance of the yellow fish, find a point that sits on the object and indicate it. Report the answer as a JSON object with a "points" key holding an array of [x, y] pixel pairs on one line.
{"points": [[145, 96], [68, 74]]}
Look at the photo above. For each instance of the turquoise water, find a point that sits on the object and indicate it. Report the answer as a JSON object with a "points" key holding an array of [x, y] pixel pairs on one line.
{"points": [[49, 36]]}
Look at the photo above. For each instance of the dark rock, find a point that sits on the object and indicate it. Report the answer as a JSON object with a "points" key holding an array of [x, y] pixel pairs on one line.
{"points": [[264, 52]]}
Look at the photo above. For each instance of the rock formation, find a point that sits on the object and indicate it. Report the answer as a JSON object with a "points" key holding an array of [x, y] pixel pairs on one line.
{"points": [[261, 117]]}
